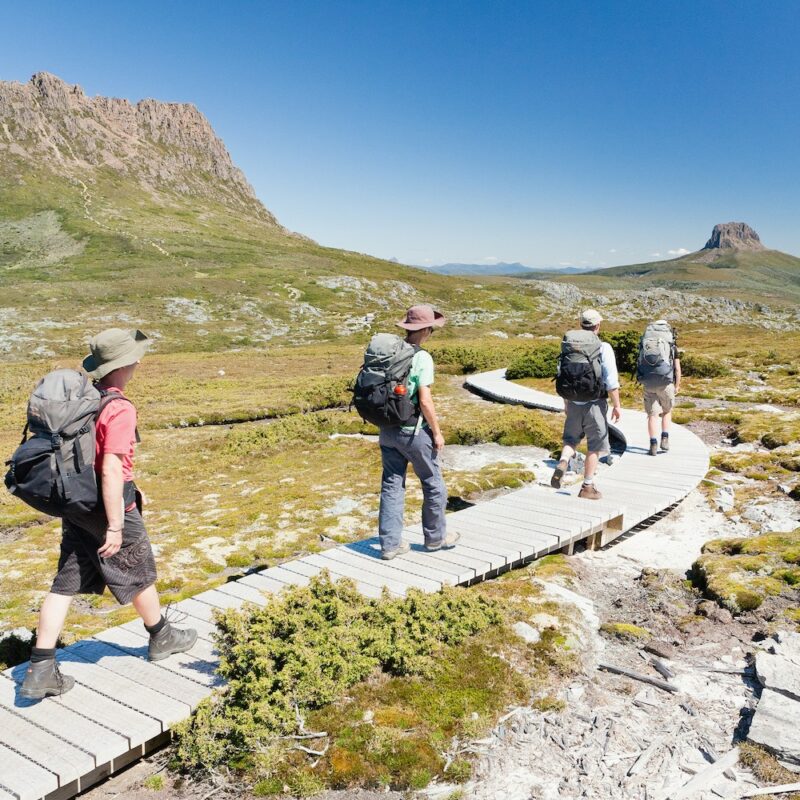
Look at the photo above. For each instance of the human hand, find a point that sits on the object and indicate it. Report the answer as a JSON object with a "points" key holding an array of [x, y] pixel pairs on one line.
{"points": [[616, 413], [438, 442], [145, 500], [112, 544]]}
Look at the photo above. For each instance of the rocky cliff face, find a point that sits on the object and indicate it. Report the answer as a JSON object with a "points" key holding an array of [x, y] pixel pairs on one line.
{"points": [[52, 124], [733, 236]]}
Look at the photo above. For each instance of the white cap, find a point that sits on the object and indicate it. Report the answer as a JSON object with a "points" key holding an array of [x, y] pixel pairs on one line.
{"points": [[590, 318]]}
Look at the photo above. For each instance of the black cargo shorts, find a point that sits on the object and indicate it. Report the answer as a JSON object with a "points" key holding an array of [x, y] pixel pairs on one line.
{"points": [[82, 571]]}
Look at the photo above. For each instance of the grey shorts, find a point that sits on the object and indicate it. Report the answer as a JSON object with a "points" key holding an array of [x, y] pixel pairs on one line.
{"points": [[659, 400], [82, 571], [587, 420]]}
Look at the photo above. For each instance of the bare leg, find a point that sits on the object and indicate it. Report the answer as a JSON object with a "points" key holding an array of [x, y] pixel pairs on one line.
{"points": [[666, 419], [52, 615], [652, 425], [590, 466], [567, 453], [148, 605]]}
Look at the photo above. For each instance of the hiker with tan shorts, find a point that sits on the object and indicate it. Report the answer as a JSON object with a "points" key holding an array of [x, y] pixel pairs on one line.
{"points": [[658, 369], [586, 377], [108, 545]]}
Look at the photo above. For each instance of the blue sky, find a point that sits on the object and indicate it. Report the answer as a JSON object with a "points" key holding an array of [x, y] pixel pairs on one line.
{"points": [[543, 132]]}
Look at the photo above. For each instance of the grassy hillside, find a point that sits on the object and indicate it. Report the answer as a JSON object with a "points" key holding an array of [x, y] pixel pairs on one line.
{"points": [[193, 273], [768, 274]]}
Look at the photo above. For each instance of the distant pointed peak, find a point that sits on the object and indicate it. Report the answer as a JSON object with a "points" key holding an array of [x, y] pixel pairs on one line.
{"points": [[733, 236]]}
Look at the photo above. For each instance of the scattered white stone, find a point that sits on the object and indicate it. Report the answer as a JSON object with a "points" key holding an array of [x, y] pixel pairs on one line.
{"points": [[725, 499], [527, 632], [775, 726]]}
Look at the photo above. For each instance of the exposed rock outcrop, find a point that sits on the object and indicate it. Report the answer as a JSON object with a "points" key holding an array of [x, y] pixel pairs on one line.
{"points": [[733, 236], [172, 146], [774, 725]]}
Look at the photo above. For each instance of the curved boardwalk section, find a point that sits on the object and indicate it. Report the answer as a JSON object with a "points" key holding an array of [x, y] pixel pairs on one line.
{"points": [[122, 706]]}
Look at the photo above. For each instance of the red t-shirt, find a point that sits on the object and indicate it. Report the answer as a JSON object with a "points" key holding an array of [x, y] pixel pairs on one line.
{"points": [[115, 432]]}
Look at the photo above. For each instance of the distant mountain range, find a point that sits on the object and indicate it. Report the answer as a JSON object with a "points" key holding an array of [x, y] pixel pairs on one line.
{"points": [[502, 268]]}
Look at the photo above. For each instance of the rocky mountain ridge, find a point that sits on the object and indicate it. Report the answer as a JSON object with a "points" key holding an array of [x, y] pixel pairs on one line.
{"points": [[733, 236], [48, 123]]}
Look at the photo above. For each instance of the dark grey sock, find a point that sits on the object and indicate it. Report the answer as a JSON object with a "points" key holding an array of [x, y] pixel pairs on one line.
{"points": [[153, 630], [39, 654]]}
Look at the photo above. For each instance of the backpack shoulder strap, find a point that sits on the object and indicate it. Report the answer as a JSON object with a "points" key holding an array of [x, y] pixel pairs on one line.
{"points": [[106, 398]]}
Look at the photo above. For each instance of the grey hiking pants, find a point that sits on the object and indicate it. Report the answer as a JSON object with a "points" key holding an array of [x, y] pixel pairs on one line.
{"points": [[398, 449]]}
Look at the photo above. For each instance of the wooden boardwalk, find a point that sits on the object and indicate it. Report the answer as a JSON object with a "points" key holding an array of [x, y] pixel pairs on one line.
{"points": [[122, 706]]}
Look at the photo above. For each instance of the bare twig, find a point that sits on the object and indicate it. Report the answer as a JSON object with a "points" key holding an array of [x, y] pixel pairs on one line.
{"points": [[662, 668], [667, 687], [782, 789], [309, 735], [316, 753]]}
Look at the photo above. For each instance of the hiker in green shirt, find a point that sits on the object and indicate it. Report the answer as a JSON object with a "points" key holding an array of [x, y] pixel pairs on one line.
{"points": [[418, 444]]}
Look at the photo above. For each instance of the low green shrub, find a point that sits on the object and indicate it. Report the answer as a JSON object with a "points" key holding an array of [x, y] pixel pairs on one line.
{"points": [[694, 366], [477, 357], [537, 363], [301, 652], [626, 348], [511, 427]]}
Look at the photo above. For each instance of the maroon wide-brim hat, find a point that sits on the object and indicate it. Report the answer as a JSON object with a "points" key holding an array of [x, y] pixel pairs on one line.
{"points": [[419, 317]]}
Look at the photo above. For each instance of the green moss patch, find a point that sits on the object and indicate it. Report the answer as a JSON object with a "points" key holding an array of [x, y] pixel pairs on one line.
{"points": [[625, 631], [742, 573]]}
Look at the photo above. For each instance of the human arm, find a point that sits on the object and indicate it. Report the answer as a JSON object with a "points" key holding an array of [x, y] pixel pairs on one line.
{"points": [[429, 412], [616, 408], [611, 379], [112, 482], [677, 375]]}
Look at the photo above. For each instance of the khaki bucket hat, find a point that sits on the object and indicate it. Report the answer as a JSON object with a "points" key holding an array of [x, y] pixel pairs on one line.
{"points": [[422, 316], [112, 349]]}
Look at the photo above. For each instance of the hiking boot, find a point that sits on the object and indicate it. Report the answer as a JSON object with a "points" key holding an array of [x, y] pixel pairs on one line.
{"points": [[170, 640], [665, 443], [388, 555], [653, 449], [448, 542], [558, 474], [588, 492], [43, 679]]}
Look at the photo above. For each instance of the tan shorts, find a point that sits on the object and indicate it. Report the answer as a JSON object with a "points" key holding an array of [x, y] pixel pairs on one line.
{"points": [[659, 400]]}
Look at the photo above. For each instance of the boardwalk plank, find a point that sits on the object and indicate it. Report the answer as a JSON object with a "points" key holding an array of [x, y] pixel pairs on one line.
{"points": [[412, 562], [147, 701], [249, 594], [198, 665], [67, 761], [383, 569], [22, 778], [65, 723], [310, 570], [135, 727], [274, 580], [357, 573], [140, 671]]}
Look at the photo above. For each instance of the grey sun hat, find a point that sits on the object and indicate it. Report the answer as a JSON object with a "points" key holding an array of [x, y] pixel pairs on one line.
{"points": [[590, 317], [112, 349], [422, 316]]}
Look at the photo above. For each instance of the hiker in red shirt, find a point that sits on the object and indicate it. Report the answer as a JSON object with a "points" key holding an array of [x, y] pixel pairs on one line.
{"points": [[110, 549]]}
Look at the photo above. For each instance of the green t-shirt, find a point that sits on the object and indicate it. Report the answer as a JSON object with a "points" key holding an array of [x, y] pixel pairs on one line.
{"points": [[421, 374]]}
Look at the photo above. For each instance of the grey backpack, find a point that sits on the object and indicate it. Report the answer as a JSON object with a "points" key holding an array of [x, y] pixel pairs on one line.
{"points": [[579, 371], [380, 395], [52, 470], [655, 365]]}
